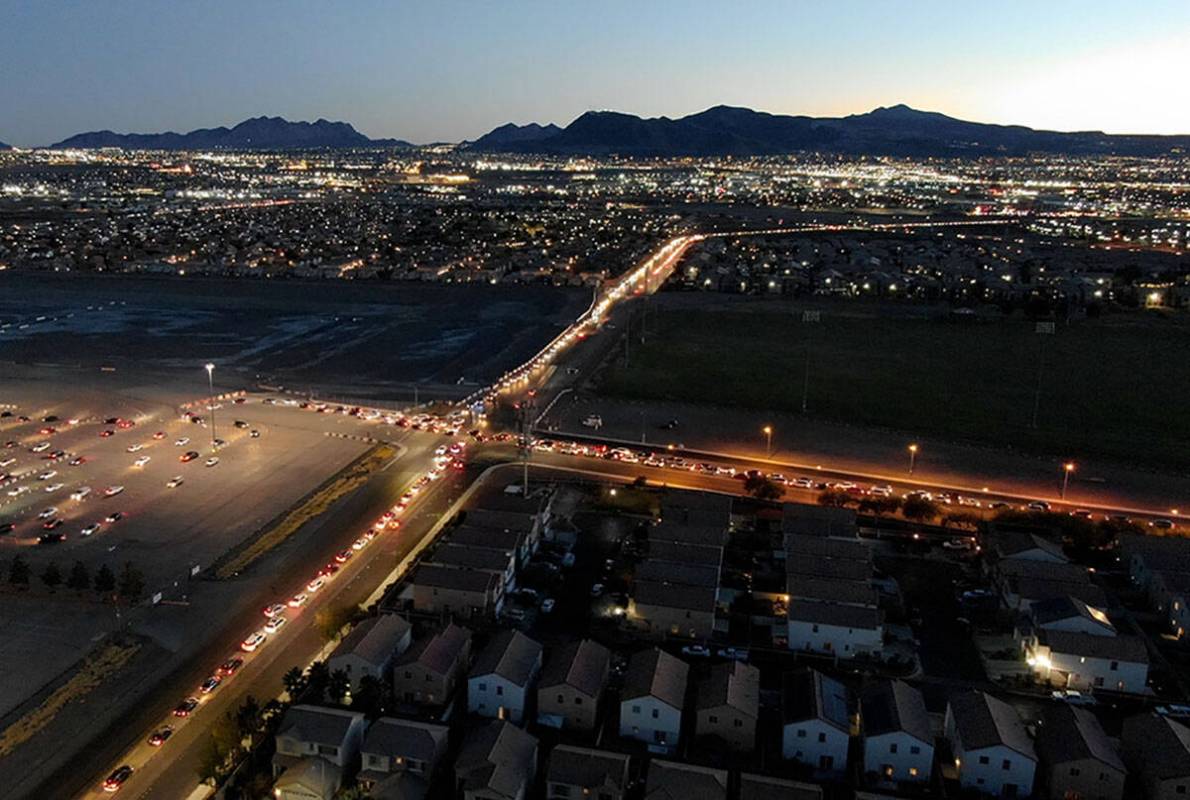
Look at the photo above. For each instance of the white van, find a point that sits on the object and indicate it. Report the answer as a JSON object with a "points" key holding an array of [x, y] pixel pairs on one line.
{"points": [[80, 493]]}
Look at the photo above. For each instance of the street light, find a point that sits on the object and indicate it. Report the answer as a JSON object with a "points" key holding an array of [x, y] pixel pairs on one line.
{"points": [[211, 399], [768, 441], [912, 457], [1067, 468]]}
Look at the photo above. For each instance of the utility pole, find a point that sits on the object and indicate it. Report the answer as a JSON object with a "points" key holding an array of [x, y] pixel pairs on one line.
{"points": [[808, 318], [211, 401], [1043, 329], [525, 409]]}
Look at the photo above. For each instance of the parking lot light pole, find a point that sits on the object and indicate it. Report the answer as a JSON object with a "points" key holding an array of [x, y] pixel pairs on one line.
{"points": [[768, 441], [912, 457], [211, 399], [1067, 468]]}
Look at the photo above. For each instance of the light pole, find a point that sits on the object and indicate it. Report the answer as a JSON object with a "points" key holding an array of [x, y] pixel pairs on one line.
{"points": [[211, 399], [912, 457], [768, 441], [1067, 468]]}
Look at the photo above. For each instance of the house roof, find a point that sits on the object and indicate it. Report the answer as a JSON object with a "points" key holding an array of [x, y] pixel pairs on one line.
{"points": [[1055, 609], [1115, 648], [1158, 746], [672, 780], [440, 652], [1071, 573], [848, 569], [802, 519], [316, 775], [850, 549], [655, 673], [675, 595], [985, 721], [589, 768], [490, 538], [403, 785], [686, 533], [842, 616], [807, 694], [731, 684], [1034, 589], [408, 738], [467, 557], [705, 509], [832, 590], [502, 519], [316, 724], [467, 580], [375, 639], [1158, 552], [711, 555], [765, 787], [582, 665], [497, 757], [510, 654], [1013, 543], [672, 572], [1074, 734], [895, 707]]}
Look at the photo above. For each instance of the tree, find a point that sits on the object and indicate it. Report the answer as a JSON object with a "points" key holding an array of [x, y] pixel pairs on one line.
{"points": [[248, 718], [835, 497], [332, 620], [51, 576], [919, 509], [132, 583], [318, 677], [338, 686], [295, 682], [105, 580], [18, 572], [372, 697], [762, 488], [79, 579], [210, 762], [880, 505]]}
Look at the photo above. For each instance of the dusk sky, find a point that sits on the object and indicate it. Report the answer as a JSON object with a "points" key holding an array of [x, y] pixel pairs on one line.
{"points": [[453, 70]]}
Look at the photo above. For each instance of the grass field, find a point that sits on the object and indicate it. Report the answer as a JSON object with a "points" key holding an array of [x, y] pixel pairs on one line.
{"points": [[1113, 387]]}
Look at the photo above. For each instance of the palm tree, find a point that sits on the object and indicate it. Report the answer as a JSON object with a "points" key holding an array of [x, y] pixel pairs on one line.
{"points": [[337, 686], [295, 682]]}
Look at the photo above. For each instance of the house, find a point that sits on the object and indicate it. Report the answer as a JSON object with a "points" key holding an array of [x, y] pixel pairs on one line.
{"points": [[471, 535], [673, 609], [816, 721], [1157, 751], [309, 779], [801, 519], [842, 630], [688, 533], [658, 570], [1086, 661], [675, 553], [799, 547], [1077, 758], [700, 509], [526, 523], [992, 751], [462, 592], [501, 563], [672, 780], [729, 705], [1070, 614], [578, 772], [897, 740], [1161, 567], [395, 746], [428, 672], [831, 590], [500, 680], [572, 685], [496, 762], [312, 733], [1022, 583], [844, 569], [1005, 543], [369, 650], [652, 699], [764, 787]]}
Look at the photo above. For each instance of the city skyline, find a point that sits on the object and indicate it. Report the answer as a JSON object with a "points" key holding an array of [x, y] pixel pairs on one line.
{"points": [[454, 72]]}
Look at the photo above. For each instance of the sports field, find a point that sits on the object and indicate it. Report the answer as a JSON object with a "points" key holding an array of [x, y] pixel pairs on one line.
{"points": [[1111, 387]]}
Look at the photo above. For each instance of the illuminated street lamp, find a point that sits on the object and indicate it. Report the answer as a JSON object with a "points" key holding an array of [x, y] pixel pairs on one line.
{"points": [[912, 457], [211, 399], [768, 441], [1067, 468]]}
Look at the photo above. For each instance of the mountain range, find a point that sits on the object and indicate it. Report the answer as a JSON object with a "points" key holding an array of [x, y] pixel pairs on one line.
{"points": [[258, 133], [728, 131]]}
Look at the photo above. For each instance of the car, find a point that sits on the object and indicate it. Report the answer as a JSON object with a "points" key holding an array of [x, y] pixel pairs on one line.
{"points": [[330, 569], [597, 590], [696, 650], [40, 447], [7, 527], [230, 666], [254, 641], [298, 600], [112, 491], [802, 483], [7, 462], [1038, 505], [184, 708], [189, 455], [218, 443], [90, 529], [359, 544], [52, 537], [1083, 513], [957, 543], [239, 423], [53, 487], [11, 444], [78, 461], [124, 424], [106, 433], [547, 605], [135, 448], [1161, 524], [117, 778], [115, 516], [80, 493], [343, 555], [273, 610], [1173, 710], [212, 461], [111, 420], [275, 624], [175, 482], [315, 585], [210, 684], [140, 462], [182, 442], [17, 491], [159, 435], [733, 653], [48, 431], [159, 736], [47, 513], [255, 434], [49, 473], [1073, 697]]}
